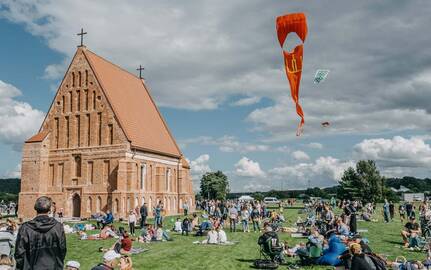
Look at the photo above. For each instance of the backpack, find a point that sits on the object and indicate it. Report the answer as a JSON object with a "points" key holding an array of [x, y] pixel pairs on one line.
{"points": [[378, 261], [265, 264]]}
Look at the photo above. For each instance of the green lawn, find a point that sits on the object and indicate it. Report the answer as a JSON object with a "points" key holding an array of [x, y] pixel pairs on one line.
{"points": [[182, 254]]}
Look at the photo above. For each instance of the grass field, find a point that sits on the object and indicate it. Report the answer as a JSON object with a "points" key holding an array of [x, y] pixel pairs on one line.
{"points": [[182, 254]]}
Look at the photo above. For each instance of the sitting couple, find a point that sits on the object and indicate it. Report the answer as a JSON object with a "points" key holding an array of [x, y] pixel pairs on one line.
{"points": [[216, 236], [148, 234]]}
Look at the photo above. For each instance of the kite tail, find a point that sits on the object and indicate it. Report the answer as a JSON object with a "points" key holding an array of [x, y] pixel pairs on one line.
{"points": [[301, 124]]}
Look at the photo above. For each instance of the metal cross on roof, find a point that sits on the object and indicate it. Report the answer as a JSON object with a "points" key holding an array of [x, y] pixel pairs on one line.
{"points": [[82, 37], [141, 68]]}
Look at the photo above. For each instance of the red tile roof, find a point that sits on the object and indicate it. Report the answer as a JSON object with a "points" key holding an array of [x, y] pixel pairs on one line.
{"points": [[38, 137], [133, 106]]}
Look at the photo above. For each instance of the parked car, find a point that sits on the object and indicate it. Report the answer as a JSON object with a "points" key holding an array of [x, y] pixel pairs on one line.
{"points": [[271, 200]]}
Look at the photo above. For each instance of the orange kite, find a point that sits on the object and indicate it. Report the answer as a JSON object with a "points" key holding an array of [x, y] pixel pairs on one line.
{"points": [[293, 23]]}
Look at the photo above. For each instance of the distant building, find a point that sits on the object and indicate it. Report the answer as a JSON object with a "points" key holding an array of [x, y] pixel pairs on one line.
{"points": [[413, 197], [401, 189], [103, 146]]}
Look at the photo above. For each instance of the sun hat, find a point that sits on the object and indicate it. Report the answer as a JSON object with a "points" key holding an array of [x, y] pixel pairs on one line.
{"points": [[73, 264]]}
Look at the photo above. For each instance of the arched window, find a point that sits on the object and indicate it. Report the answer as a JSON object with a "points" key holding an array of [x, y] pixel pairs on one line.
{"points": [[89, 204], [168, 179], [98, 204], [143, 175], [73, 79], [79, 78], [86, 77]]}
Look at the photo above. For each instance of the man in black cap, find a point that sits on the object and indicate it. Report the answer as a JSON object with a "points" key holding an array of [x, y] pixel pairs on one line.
{"points": [[41, 242]]}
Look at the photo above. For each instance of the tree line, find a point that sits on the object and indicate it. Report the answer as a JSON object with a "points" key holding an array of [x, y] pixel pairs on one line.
{"points": [[362, 182]]}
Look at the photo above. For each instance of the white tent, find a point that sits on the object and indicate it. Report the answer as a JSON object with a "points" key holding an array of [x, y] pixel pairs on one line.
{"points": [[245, 198]]}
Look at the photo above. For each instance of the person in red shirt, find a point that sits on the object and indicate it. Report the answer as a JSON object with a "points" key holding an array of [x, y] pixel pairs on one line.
{"points": [[126, 243]]}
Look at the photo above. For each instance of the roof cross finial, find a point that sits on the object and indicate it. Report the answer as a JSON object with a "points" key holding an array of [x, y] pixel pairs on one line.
{"points": [[141, 68], [82, 37]]}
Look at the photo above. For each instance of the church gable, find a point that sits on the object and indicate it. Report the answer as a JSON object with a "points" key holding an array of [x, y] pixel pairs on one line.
{"points": [[80, 115]]}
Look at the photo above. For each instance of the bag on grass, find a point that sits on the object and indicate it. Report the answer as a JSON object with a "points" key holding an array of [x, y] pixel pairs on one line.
{"points": [[378, 261], [265, 264]]}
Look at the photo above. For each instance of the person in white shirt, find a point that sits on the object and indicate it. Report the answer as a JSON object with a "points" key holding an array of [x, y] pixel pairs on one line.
{"points": [[132, 222], [221, 235], [212, 237], [233, 218], [178, 226], [245, 215]]}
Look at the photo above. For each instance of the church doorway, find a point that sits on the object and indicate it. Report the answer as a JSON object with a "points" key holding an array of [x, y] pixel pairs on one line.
{"points": [[76, 205]]}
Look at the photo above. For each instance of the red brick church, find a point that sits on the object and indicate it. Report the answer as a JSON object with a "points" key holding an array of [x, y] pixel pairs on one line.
{"points": [[103, 146]]}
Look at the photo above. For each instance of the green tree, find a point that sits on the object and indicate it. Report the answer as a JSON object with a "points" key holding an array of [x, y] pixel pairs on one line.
{"points": [[214, 185], [365, 183]]}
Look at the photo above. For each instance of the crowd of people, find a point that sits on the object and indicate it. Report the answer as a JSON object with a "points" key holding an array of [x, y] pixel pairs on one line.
{"points": [[329, 227]]}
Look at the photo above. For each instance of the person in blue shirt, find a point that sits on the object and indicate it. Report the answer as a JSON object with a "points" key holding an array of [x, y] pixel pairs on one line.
{"points": [[386, 213], [158, 214]]}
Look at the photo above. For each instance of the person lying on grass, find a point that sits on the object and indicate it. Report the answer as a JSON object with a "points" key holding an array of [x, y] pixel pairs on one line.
{"points": [[411, 230]]}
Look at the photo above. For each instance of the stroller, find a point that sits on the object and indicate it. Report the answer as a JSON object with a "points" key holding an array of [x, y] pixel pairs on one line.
{"points": [[270, 250]]}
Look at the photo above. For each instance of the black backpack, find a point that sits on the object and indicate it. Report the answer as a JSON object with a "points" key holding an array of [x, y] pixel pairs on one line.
{"points": [[265, 264], [378, 261]]}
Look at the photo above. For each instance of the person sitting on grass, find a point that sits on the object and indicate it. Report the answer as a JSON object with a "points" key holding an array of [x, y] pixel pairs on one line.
{"points": [[342, 227], [195, 221], [110, 261], [204, 226], [411, 231], [106, 220], [360, 260], [211, 237], [186, 226], [147, 234], [221, 235], [178, 226], [161, 235], [123, 245]]}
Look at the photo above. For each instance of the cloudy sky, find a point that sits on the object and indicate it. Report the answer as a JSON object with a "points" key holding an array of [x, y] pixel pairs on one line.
{"points": [[216, 71]]}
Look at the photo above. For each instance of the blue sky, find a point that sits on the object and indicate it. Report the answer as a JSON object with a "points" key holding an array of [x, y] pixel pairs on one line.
{"points": [[216, 72]]}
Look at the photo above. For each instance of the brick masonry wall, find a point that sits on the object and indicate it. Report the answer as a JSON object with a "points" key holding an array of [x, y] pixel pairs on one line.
{"points": [[84, 163]]}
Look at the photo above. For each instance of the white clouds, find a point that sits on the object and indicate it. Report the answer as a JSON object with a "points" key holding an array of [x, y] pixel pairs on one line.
{"points": [[229, 144], [315, 145], [300, 155], [200, 165], [246, 101], [18, 120], [324, 171], [14, 173], [396, 152], [248, 168], [235, 55]]}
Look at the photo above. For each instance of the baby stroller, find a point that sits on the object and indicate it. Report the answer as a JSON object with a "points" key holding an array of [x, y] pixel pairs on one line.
{"points": [[271, 252]]}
